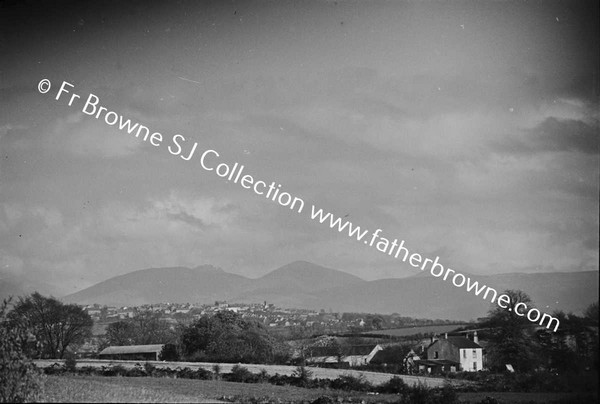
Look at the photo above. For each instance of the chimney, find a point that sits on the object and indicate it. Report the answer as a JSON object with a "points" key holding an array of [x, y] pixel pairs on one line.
{"points": [[475, 338]]}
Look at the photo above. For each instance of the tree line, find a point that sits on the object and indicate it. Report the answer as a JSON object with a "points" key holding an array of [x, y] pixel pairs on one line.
{"points": [[223, 337], [513, 340], [53, 329]]}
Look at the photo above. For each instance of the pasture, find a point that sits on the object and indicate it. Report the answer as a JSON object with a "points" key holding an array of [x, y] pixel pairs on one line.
{"points": [[73, 388]]}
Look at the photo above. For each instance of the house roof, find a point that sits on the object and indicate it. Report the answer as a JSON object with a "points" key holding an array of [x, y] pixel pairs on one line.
{"points": [[129, 349], [462, 342]]}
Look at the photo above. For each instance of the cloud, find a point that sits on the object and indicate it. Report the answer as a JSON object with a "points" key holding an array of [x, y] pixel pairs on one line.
{"points": [[567, 135], [86, 136], [552, 135]]}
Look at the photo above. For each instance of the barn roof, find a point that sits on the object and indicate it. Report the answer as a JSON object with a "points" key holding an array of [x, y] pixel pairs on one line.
{"points": [[130, 349]]}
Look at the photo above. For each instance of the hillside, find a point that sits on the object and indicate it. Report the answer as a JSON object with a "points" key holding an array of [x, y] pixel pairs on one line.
{"points": [[291, 285], [178, 284], [305, 285], [429, 297]]}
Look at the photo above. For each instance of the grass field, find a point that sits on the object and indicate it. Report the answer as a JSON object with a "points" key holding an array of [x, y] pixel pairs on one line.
{"points": [[146, 389], [70, 388]]}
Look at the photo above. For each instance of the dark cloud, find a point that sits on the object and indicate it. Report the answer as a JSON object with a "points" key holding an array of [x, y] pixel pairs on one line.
{"points": [[567, 135], [552, 135]]}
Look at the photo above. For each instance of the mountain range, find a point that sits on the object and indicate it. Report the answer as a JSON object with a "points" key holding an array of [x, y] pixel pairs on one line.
{"points": [[305, 285]]}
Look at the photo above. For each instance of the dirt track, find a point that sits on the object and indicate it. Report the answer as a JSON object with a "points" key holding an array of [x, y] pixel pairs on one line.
{"points": [[323, 373]]}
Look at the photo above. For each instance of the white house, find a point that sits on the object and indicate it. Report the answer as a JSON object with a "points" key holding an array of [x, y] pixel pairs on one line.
{"points": [[460, 353]]}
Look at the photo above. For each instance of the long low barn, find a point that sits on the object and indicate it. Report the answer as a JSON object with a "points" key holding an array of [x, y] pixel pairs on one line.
{"points": [[132, 352]]}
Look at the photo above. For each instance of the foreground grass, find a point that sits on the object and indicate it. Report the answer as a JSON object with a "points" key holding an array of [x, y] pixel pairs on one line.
{"points": [[76, 388], [527, 398], [73, 388]]}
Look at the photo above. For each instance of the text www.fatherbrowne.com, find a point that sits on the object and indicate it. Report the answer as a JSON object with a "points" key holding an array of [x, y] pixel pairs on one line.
{"points": [[209, 161], [399, 251]]}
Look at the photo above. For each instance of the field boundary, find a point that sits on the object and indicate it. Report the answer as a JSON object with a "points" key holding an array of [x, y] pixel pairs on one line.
{"points": [[321, 373]]}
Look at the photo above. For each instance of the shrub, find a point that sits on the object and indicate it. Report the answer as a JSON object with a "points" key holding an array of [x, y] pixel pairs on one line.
{"points": [[203, 374], [348, 382], [324, 400], [489, 400], [393, 386], [169, 353], [149, 368], [302, 375], [87, 370], [281, 380], [217, 369], [114, 370], [419, 394], [136, 371], [54, 369], [263, 376], [241, 374], [20, 380], [448, 395], [71, 364]]}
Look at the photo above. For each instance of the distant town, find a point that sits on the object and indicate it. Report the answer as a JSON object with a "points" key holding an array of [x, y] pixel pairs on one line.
{"points": [[318, 321]]}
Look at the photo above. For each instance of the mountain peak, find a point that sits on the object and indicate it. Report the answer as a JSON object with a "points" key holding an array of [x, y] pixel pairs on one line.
{"points": [[208, 268], [309, 277]]}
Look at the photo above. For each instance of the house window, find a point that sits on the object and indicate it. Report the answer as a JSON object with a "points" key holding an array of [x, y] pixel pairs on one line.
{"points": [[435, 355], [464, 353], [474, 365], [474, 353]]}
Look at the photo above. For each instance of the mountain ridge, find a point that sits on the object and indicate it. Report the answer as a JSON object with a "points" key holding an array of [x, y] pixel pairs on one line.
{"points": [[302, 284]]}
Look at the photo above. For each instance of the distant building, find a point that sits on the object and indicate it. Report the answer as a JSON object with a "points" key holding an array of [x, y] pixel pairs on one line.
{"points": [[453, 354], [132, 352]]}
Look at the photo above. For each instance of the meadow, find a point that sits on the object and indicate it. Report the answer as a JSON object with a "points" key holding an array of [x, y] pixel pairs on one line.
{"points": [[75, 388]]}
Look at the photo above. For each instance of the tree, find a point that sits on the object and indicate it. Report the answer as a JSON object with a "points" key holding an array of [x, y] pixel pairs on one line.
{"points": [[377, 322], [152, 329], [57, 326], [591, 313], [574, 346], [510, 340], [227, 337], [144, 328], [20, 380], [169, 353], [121, 333]]}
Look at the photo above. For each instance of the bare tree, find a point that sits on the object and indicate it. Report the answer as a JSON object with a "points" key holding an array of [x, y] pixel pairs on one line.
{"points": [[56, 325]]}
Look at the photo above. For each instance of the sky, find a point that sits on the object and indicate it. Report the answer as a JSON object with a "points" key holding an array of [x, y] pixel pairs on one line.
{"points": [[467, 129]]}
